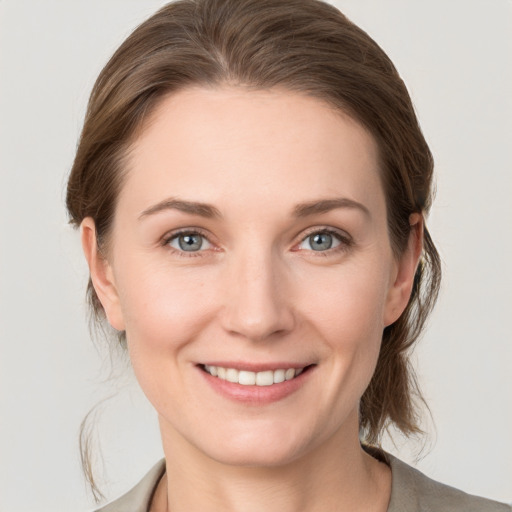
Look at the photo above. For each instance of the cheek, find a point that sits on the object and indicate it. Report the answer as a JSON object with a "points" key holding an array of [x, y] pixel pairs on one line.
{"points": [[163, 308], [346, 311], [349, 303]]}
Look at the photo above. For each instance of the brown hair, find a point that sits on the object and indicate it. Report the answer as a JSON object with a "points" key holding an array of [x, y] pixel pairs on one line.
{"points": [[306, 46]]}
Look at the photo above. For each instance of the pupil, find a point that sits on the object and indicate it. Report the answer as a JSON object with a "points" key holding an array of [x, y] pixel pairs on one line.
{"points": [[321, 241], [190, 242]]}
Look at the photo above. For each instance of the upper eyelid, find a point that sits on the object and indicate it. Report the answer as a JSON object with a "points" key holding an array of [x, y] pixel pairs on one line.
{"points": [[185, 231], [326, 229]]}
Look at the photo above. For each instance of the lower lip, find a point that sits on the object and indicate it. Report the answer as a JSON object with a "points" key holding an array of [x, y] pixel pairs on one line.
{"points": [[258, 395]]}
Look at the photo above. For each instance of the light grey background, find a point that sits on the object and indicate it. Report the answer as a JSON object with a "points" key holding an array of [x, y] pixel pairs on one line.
{"points": [[456, 58]]}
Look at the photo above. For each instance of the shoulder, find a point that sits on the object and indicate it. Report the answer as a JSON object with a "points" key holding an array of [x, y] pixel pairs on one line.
{"points": [[138, 498], [412, 491]]}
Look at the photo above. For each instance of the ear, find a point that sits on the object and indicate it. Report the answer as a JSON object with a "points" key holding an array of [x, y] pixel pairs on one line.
{"points": [[102, 275], [405, 270]]}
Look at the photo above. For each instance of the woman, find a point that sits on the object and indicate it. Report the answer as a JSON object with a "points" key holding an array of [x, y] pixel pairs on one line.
{"points": [[251, 186]]}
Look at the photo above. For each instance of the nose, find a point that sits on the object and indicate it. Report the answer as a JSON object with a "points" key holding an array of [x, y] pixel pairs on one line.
{"points": [[257, 303]]}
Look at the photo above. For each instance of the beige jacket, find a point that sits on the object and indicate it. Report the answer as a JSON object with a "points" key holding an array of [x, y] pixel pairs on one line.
{"points": [[411, 491]]}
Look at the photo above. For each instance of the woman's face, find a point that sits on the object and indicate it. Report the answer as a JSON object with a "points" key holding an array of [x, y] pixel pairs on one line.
{"points": [[250, 244]]}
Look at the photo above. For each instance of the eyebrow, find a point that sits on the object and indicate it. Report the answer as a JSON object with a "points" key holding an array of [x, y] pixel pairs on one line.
{"points": [[326, 205], [208, 211], [202, 209]]}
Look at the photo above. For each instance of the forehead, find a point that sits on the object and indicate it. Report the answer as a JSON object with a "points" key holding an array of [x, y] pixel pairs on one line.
{"points": [[229, 145]]}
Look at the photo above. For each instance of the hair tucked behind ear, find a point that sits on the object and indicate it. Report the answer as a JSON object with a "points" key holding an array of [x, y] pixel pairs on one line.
{"points": [[393, 394], [305, 46]]}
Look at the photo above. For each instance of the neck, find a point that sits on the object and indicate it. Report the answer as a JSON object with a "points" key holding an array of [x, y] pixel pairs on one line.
{"points": [[338, 475]]}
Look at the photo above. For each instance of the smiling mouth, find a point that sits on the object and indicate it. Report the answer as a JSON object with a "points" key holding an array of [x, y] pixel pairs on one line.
{"points": [[248, 378]]}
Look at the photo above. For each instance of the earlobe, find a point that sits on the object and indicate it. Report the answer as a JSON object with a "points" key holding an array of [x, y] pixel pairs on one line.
{"points": [[401, 287], [101, 275]]}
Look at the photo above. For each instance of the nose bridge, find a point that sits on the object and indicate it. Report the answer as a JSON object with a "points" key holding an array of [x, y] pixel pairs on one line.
{"points": [[257, 305]]}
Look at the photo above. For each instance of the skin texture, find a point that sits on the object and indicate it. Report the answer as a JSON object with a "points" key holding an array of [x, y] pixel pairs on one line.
{"points": [[256, 292]]}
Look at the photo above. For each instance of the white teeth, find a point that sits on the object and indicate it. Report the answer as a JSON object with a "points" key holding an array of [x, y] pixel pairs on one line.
{"points": [[246, 378], [265, 378], [232, 375], [289, 374], [279, 376]]}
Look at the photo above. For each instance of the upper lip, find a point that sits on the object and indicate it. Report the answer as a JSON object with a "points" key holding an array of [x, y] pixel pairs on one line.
{"points": [[255, 367]]}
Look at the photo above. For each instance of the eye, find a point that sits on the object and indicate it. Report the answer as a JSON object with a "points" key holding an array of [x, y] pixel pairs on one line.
{"points": [[189, 242], [321, 241]]}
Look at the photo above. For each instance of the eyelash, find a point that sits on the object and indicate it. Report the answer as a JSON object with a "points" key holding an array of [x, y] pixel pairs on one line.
{"points": [[345, 241], [167, 239]]}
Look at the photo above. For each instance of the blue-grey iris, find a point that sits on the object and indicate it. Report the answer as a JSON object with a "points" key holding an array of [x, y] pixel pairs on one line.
{"points": [[190, 242], [320, 241]]}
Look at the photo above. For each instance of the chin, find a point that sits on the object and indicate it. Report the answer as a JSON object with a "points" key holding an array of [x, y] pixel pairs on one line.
{"points": [[262, 455], [266, 445]]}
